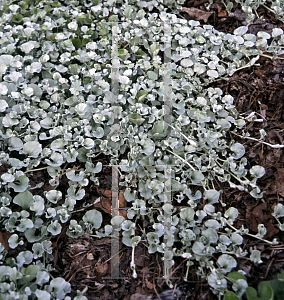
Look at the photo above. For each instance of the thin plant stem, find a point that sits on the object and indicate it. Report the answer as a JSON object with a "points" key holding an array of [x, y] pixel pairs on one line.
{"points": [[63, 174], [251, 235], [277, 146], [268, 56], [182, 159], [33, 170], [190, 141]]}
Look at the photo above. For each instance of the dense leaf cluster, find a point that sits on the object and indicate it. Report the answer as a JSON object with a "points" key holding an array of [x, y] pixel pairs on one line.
{"points": [[88, 77]]}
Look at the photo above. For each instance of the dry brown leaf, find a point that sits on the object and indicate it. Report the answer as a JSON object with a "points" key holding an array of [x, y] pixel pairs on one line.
{"points": [[259, 214], [197, 14], [279, 179], [102, 268], [240, 15], [106, 203], [149, 284], [4, 236], [90, 256], [99, 285], [106, 193], [221, 13]]}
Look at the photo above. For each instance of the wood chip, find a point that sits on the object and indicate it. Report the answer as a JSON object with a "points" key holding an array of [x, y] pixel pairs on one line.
{"points": [[197, 14]]}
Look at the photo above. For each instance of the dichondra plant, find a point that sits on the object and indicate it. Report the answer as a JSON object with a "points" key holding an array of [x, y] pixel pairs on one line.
{"points": [[88, 77]]}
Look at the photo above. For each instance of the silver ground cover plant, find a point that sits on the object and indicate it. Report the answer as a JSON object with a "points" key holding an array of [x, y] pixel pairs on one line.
{"points": [[59, 106]]}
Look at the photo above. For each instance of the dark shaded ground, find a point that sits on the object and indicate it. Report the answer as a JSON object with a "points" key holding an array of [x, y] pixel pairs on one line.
{"points": [[86, 261]]}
